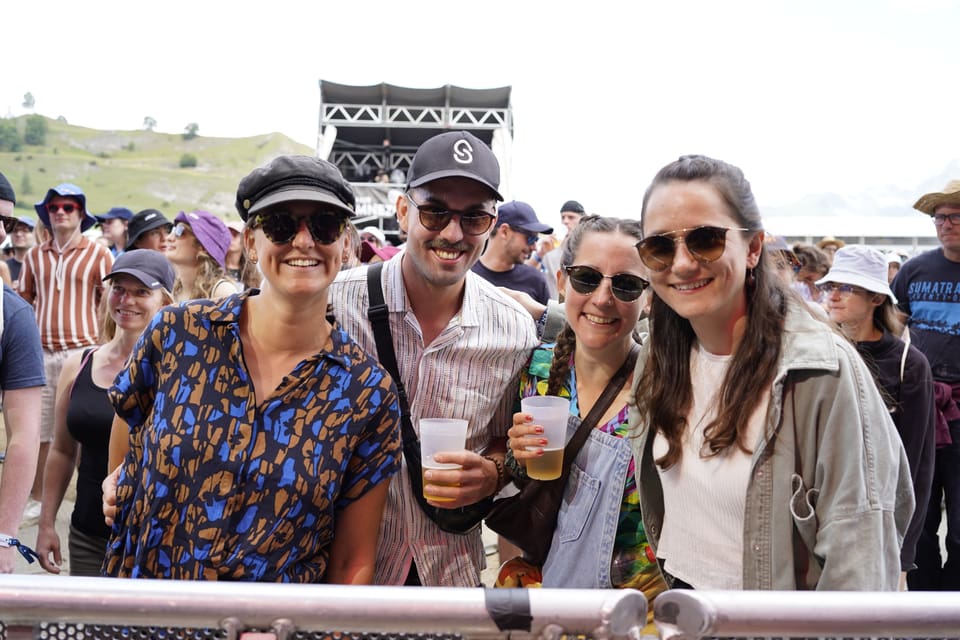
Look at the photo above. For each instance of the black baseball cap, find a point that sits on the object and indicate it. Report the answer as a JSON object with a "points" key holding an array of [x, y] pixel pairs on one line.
{"points": [[142, 222], [292, 177], [146, 265], [455, 154]]}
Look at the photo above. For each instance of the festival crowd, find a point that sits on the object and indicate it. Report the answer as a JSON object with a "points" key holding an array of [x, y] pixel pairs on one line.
{"points": [[241, 399]]}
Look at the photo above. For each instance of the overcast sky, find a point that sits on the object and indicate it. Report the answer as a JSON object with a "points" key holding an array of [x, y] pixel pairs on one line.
{"points": [[806, 96]]}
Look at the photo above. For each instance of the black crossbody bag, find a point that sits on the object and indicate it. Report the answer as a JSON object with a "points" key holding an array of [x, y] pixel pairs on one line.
{"points": [[462, 519]]}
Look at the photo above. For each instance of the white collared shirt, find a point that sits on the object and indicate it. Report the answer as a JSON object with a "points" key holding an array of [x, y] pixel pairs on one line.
{"points": [[470, 371]]}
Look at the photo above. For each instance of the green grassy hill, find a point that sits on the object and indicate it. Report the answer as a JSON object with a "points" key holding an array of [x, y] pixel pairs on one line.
{"points": [[139, 169]]}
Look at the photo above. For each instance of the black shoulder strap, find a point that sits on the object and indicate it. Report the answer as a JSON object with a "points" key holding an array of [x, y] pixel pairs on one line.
{"points": [[379, 316], [600, 407]]}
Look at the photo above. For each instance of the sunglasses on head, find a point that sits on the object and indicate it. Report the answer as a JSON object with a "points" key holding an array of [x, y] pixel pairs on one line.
{"points": [[625, 286], [282, 227], [473, 223], [68, 207], [705, 244]]}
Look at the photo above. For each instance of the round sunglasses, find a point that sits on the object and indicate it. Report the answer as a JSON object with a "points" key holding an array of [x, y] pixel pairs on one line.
{"points": [[626, 287], [473, 223], [282, 227], [705, 244]]}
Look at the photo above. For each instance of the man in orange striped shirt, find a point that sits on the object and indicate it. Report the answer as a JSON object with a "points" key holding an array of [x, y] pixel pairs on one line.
{"points": [[63, 280]]}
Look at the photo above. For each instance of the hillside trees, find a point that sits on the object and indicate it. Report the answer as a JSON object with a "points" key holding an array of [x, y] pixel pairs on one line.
{"points": [[149, 123], [28, 101], [35, 131], [9, 136], [190, 131]]}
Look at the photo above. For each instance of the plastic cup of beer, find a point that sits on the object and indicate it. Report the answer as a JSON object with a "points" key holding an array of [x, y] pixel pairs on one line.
{"points": [[550, 412], [447, 435]]}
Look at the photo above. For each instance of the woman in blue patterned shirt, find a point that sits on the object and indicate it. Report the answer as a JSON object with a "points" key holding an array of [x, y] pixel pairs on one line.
{"points": [[256, 438]]}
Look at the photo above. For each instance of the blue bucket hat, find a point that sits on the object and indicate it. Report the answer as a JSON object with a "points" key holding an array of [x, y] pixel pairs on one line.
{"points": [[65, 190]]}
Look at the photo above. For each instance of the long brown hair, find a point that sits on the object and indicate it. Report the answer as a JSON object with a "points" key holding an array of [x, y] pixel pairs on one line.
{"points": [[664, 393], [567, 339]]}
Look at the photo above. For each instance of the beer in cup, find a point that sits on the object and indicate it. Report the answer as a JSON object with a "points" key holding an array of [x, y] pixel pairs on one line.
{"points": [[550, 412], [447, 435]]}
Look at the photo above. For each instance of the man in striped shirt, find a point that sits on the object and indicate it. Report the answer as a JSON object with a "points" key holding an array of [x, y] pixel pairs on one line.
{"points": [[460, 344], [63, 280]]}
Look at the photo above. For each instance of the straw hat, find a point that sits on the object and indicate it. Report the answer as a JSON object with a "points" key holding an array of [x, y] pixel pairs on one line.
{"points": [[830, 240], [929, 203]]}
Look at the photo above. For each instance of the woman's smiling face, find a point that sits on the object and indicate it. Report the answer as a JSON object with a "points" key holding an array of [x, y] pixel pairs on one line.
{"points": [[711, 295]]}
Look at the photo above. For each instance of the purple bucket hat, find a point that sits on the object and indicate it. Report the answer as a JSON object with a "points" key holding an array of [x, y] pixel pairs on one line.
{"points": [[210, 230]]}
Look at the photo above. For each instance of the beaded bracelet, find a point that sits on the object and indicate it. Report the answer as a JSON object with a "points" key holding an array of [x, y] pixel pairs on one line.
{"points": [[501, 473], [9, 541]]}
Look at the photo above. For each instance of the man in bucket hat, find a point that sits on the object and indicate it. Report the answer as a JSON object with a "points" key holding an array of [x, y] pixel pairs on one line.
{"points": [[62, 279], [459, 342], [928, 291]]}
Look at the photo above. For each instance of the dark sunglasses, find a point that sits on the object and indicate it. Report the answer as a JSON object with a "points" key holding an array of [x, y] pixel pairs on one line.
{"points": [[179, 229], [531, 237], [282, 227], [827, 288], [705, 244], [625, 286], [473, 223], [9, 224], [68, 207]]}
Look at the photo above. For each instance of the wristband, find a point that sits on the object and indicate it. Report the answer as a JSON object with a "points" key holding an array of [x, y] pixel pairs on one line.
{"points": [[28, 554]]}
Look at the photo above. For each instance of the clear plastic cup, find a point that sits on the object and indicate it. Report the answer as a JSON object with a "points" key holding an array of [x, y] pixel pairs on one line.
{"points": [[437, 435], [551, 413]]}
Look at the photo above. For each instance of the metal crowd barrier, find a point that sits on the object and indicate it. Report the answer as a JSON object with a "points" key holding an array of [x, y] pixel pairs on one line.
{"points": [[37, 606], [689, 615]]}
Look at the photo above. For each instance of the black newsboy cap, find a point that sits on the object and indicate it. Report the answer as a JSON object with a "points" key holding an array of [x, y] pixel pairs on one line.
{"points": [[288, 178]]}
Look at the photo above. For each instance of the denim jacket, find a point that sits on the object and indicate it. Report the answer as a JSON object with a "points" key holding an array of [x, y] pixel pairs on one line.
{"points": [[582, 546], [830, 496]]}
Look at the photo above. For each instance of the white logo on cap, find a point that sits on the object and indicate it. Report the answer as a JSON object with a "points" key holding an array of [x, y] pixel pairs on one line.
{"points": [[462, 152]]}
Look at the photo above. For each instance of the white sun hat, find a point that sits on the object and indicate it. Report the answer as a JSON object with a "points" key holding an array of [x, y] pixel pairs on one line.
{"points": [[861, 266]]}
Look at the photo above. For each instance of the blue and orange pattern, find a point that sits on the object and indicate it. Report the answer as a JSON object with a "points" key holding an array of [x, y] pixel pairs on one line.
{"points": [[220, 485]]}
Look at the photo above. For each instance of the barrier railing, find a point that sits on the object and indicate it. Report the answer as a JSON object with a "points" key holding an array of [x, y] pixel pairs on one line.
{"points": [[688, 615], [68, 607]]}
